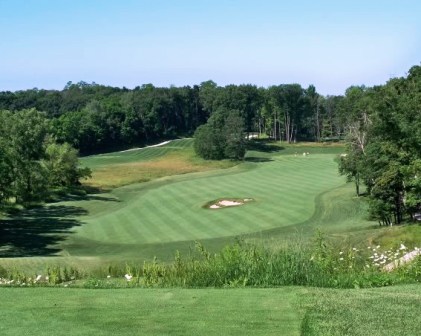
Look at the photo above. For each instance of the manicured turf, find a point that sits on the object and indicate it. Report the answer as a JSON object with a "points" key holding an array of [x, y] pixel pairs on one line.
{"points": [[293, 195], [59, 311], [278, 311], [170, 210]]}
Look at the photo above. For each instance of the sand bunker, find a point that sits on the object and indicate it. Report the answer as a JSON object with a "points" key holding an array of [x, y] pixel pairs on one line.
{"points": [[223, 203]]}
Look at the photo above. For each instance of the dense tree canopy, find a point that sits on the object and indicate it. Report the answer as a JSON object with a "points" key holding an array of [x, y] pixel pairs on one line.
{"points": [[384, 145], [95, 118], [32, 163], [222, 136]]}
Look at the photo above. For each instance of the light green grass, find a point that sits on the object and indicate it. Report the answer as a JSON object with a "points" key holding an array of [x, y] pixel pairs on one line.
{"points": [[59, 311]]}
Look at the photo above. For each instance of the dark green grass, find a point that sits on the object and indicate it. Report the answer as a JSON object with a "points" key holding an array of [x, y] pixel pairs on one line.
{"points": [[59, 311]]}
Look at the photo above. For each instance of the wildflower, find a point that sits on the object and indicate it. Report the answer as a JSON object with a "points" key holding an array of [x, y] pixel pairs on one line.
{"points": [[108, 276], [128, 277], [341, 258], [341, 252], [378, 246], [402, 247]]}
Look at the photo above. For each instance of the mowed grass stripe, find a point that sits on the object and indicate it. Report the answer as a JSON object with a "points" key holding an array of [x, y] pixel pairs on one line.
{"points": [[284, 191]]}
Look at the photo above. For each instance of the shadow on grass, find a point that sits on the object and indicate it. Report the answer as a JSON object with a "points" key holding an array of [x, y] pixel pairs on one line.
{"points": [[257, 159], [88, 198], [35, 232], [263, 146]]}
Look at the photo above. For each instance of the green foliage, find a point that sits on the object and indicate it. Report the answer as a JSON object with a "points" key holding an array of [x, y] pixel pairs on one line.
{"points": [[31, 162], [241, 264], [384, 146], [221, 137]]}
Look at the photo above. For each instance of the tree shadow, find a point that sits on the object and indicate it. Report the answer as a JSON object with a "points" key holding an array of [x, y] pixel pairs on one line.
{"points": [[37, 231], [257, 159], [88, 197], [263, 146]]}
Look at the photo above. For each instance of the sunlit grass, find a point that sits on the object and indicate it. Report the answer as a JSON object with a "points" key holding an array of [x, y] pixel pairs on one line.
{"points": [[174, 163]]}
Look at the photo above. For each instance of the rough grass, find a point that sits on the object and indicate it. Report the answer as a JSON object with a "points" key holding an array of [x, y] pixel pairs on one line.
{"points": [[382, 311], [145, 164]]}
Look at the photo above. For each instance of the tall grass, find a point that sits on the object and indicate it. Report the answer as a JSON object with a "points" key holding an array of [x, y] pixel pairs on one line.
{"points": [[242, 265]]}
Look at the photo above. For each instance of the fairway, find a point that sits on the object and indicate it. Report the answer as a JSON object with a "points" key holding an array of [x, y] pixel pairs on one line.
{"points": [[283, 188], [142, 220]]}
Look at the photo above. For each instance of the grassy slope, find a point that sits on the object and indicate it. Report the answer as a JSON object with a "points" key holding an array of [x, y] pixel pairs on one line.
{"points": [[280, 311]]}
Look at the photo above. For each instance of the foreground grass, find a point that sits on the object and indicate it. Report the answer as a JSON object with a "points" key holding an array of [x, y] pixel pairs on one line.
{"points": [[277, 311], [54, 311], [381, 311]]}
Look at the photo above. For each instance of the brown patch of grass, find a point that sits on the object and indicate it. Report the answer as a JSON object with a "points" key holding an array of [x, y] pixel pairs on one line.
{"points": [[183, 162]]}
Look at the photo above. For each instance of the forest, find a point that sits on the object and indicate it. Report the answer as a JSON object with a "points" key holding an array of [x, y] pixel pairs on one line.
{"points": [[42, 130]]}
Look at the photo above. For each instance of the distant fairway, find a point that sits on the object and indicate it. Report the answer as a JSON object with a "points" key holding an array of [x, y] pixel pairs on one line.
{"points": [[290, 192]]}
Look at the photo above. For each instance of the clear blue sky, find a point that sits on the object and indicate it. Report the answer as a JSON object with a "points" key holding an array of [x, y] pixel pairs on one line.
{"points": [[331, 44]]}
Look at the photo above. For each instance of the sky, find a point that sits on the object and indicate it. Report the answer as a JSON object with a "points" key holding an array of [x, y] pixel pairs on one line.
{"points": [[331, 44]]}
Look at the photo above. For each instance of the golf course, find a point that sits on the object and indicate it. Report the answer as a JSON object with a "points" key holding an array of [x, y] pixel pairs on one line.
{"points": [[289, 194], [132, 216]]}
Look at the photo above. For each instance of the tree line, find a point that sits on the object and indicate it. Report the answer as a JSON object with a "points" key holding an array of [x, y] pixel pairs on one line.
{"points": [[384, 146], [96, 118], [381, 125]]}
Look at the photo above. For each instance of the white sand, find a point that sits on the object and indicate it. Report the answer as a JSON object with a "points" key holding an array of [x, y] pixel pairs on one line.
{"points": [[157, 145], [229, 203]]}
